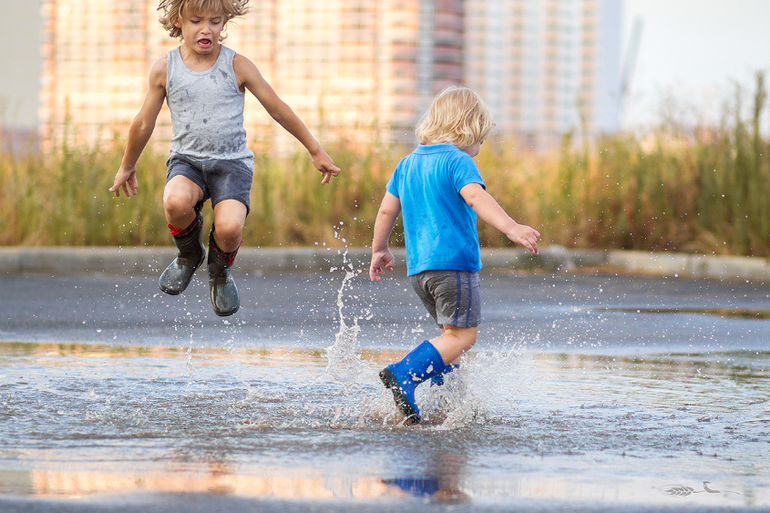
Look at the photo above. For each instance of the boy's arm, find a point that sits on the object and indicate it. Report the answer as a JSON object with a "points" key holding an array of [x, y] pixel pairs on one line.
{"points": [[492, 213], [249, 77], [141, 130], [383, 226]]}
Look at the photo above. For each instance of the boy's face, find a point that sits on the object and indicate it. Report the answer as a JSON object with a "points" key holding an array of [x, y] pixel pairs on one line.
{"points": [[201, 32]]}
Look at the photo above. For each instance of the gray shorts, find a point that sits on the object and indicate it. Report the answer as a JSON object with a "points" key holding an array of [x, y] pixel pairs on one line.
{"points": [[218, 179], [451, 297]]}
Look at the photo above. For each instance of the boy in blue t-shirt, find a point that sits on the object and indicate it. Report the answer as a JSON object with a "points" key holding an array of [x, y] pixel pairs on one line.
{"points": [[439, 192]]}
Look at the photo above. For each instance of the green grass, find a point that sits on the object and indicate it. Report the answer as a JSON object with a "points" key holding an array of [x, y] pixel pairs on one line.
{"points": [[699, 190]]}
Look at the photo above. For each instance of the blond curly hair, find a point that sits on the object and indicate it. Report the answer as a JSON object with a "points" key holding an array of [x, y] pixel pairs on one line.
{"points": [[458, 116], [173, 10]]}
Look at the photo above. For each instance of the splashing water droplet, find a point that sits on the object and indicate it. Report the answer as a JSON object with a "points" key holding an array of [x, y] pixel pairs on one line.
{"points": [[344, 360]]}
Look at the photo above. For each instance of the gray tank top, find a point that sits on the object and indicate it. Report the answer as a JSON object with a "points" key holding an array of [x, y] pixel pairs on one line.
{"points": [[206, 109]]}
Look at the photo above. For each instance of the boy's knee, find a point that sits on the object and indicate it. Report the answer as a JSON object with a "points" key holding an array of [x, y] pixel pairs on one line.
{"points": [[176, 204], [228, 229]]}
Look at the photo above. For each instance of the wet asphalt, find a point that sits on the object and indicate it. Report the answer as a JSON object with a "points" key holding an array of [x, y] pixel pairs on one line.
{"points": [[575, 312]]}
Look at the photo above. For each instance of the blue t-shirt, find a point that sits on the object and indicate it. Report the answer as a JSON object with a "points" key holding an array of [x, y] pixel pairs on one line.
{"points": [[439, 227]]}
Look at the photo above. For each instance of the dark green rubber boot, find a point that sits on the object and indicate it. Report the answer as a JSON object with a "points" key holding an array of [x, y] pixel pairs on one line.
{"points": [[189, 242], [224, 293]]}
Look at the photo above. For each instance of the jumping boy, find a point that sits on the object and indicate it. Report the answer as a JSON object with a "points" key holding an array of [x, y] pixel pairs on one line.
{"points": [[204, 83], [439, 192]]}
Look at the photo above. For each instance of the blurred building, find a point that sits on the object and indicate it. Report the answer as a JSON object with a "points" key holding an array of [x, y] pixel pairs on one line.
{"points": [[545, 67], [362, 70], [96, 60], [358, 69]]}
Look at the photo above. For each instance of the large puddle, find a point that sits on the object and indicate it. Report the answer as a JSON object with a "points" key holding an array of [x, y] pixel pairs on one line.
{"points": [[282, 421]]}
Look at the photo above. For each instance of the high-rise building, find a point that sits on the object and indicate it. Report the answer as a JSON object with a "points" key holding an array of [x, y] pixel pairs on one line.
{"points": [[358, 69], [96, 60], [362, 70], [545, 66]]}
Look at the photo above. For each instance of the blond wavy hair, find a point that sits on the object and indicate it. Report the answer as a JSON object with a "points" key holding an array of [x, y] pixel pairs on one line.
{"points": [[458, 116], [174, 10]]}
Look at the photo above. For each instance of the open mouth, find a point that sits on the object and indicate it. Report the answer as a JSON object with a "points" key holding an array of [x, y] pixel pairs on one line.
{"points": [[204, 43]]}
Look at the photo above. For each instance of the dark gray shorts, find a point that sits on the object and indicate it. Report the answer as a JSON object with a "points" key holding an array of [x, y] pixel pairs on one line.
{"points": [[451, 297], [218, 179]]}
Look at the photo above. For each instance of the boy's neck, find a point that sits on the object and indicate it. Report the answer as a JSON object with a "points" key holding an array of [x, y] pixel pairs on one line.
{"points": [[199, 62]]}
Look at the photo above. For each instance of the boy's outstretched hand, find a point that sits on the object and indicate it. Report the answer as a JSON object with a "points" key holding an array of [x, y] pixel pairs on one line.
{"points": [[323, 162], [381, 260], [124, 179], [526, 236]]}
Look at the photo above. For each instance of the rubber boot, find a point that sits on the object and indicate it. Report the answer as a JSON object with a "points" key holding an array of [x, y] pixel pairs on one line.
{"points": [[189, 242], [403, 377], [438, 379], [224, 293]]}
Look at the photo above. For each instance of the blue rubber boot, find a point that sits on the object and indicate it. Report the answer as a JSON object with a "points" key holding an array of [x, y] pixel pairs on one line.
{"points": [[402, 378], [438, 379]]}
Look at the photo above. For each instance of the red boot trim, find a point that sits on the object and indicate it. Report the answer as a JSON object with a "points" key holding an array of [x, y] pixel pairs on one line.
{"points": [[227, 257], [176, 232]]}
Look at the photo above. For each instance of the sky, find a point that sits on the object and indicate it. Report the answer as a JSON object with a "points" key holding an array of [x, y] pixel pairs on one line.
{"points": [[694, 51]]}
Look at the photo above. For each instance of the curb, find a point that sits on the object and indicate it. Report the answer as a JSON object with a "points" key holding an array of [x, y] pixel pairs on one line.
{"points": [[152, 260], [728, 268]]}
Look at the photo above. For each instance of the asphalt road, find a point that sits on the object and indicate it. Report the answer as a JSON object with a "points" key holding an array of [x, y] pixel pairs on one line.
{"points": [[587, 312]]}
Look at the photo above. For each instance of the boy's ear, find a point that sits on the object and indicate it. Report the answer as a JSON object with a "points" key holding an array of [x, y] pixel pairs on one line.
{"points": [[178, 23]]}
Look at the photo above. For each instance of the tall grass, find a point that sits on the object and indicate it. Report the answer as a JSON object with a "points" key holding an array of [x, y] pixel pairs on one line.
{"points": [[699, 190], [703, 190], [62, 198]]}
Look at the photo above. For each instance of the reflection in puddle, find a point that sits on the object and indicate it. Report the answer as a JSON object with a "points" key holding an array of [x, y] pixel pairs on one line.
{"points": [[53, 483], [79, 419]]}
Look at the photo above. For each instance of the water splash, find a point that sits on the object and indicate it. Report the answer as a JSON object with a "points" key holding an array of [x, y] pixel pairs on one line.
{"points": [[189, 365], [345, 364], [486, 383]]}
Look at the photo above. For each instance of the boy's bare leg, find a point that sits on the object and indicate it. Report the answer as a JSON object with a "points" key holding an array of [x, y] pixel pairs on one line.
{"points": [[229, 219], [179, 199], [454, 342]]}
